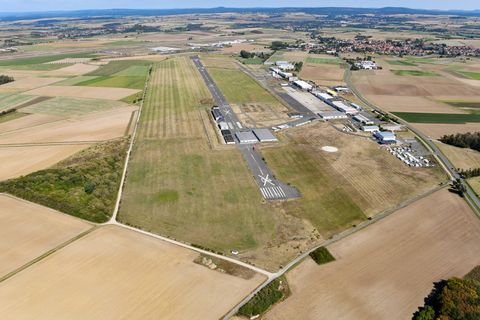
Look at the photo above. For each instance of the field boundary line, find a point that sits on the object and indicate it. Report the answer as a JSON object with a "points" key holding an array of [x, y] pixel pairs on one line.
{"points": [[48, 253]]}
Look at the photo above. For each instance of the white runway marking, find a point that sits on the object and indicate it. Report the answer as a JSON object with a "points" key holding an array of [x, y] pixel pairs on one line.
{"points": [[273, 193]]}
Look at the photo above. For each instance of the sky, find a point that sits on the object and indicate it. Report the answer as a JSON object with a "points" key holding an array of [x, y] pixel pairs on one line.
{"points": [[52, 5]]}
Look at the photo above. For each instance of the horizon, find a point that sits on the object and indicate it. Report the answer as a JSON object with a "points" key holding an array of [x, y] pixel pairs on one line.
{"points": [[33, 6]]}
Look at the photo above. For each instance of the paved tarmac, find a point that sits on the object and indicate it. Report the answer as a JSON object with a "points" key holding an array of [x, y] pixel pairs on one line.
{"points": [[269, 186]]}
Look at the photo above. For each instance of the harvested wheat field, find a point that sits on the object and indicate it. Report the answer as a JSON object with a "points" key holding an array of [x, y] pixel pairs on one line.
{"points": [[29, 230], [31, 83], [412, 104], [436, 131], [388, 268], [33, 158], [92, 127], [84, 92], [74, 70], [29, 121], [114, 273], [323, 74]]}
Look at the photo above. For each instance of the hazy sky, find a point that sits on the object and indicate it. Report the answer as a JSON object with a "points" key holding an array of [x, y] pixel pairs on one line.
{"points": [[48, 5]]}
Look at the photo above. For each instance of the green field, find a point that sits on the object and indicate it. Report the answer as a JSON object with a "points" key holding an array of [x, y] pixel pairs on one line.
{"points": [[115, 67], [84, 185], [401, 63], [255, 60], [63, 106], [325, 203], [9, 100], [34, 62], [471, 75], [415, 117], [116, 82], [324, 60], [75, 80], [177, 185], [37, 67], [240, 88], [415, 73]]}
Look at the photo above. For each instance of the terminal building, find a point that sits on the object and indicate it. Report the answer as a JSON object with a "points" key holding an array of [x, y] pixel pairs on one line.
{"points": [[385, 137]]}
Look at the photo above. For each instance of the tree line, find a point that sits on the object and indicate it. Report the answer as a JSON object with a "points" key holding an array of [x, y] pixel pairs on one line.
{"points": [[5, 79], [469, 140]]}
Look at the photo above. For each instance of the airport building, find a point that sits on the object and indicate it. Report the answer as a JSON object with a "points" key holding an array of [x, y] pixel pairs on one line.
{"points": [[246, 137], [332, 115], [322, 95], [303, 85], [370, 128], [393, 127], [385, 137], [340, 106], [362, 119], [264, 135]]}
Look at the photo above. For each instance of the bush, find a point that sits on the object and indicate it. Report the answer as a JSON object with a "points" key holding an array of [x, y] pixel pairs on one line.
{"points": [[5, 79], [322, 255], [265, 298]]}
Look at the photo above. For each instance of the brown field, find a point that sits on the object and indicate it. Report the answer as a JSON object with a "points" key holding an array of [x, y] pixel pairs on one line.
{"points": [[84, 92], [438, 130], [114, 273], [31, 120], [323, 74], [33, 158], [460, 157], [388, 268], [150, 57], [92, 127], [31, 83], [236, 48], [29, 230], [412, 104], [74, 70]]}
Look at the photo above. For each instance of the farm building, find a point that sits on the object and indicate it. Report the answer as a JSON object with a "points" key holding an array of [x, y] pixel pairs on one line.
{"points": [[340, 106], [362, 119], [332, 115], [264, 135], [370, 128], [303, 85], [246, 137], [385, 137]]}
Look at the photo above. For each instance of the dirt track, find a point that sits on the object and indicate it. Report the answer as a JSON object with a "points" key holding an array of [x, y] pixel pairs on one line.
{"points": [[386, 270], [114, 273]]}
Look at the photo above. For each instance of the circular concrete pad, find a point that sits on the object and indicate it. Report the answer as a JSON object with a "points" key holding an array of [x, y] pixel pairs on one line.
{"points": [[329, 149]]}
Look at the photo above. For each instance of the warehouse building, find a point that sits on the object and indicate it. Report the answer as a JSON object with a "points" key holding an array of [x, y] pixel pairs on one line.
{"points": [[393, 127], [303, 85], [264, 135], [332, 115], [246, 137], [362, 119], [370, 128], [385, 137], [322, 95], [340, 106]]}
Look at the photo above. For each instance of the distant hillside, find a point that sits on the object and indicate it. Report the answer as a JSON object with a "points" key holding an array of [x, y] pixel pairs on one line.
{"points": [[11, 16]]}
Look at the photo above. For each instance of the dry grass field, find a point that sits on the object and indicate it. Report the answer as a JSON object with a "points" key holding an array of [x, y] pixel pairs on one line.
{"points": [[436, 131], [83, 92], [361, 171], [388, 268], [114, 273], [88, 128], [33, 158], [462, 158], [77, 69], [31, 83], [29, 230]]}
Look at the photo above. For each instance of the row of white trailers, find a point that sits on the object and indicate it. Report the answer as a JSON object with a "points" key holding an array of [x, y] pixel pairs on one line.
{"points": [[405, 155]]}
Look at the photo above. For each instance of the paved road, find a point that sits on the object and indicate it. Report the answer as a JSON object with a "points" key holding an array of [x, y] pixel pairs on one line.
{"points": [[270, 188], [470, 195]]}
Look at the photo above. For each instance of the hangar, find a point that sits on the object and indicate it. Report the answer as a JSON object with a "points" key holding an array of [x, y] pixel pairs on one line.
{"points": [[246, 137], [264, 135]]}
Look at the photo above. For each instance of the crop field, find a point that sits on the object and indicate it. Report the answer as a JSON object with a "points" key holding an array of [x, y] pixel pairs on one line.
{"points": [[75, 80], [335, 195], [9, 100], [388, 268], [83, 92], [323, 60], [124, 67], [415, 73], [12, 116], [73, 70], [323, 74], [471, 75], [43, 60], [88, 128], [420, 117], [29, 230], [31, 83], [177, 185], [465, 104], [72, 106], [401, 63], [115, 82], [28, 120], [134, 276]]}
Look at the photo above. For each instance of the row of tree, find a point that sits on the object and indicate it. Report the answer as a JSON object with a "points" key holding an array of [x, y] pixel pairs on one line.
{"points": [[470, 173], [463, 140], [250, 55], [5, 79]]}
